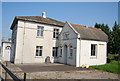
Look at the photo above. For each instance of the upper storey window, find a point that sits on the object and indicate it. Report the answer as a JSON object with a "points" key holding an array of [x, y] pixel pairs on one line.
{"points": [[40, 31], [66, 36], [55, 33], [7, 48]]}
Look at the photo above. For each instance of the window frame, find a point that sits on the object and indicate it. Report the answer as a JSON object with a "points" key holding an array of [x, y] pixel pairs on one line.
{"points": [[55, 51], [61, 51], [40, 31], [93, 50], [71, 51], [65, 35], [55, 32], [40, 51], [7, 48]]}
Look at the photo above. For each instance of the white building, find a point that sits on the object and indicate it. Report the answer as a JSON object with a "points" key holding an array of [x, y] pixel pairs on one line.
{"points": [[80, 45], [34, 38], [6, 51]]}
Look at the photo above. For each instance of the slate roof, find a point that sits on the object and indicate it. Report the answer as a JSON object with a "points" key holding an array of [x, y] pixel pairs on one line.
{"points": [[38, 19], [85, 32], [90, 33]]}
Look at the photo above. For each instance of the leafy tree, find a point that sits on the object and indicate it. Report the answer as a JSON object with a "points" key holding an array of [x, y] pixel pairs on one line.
{"points": [[9, 39], [116, 38], [113, 36]]}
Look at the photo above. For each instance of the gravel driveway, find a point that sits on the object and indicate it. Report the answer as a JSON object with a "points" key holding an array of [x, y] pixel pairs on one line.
{"points": [[61, 71], [48, 67]]}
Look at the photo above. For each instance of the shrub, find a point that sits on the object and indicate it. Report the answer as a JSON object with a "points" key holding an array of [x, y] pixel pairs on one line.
{"points": [[112, 57]]}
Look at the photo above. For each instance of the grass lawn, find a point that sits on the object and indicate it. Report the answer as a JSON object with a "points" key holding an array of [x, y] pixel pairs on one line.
{"points": [[113, 67]]}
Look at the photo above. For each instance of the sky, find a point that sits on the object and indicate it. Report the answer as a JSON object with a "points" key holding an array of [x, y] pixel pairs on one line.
{"points": [[82, 13], [60, 0]]}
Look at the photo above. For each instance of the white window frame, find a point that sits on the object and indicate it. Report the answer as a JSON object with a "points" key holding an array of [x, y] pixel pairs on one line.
{"points": [[93, 50], [55, 51], [39, 51], [40, 31], [71, 51], [55, 33], [7, 48]]}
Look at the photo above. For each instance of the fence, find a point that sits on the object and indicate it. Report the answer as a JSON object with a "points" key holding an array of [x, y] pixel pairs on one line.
{"points": [[9, 75]]}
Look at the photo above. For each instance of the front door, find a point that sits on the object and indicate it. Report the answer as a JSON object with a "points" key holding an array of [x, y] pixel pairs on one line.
{"points": [[65, 54]]}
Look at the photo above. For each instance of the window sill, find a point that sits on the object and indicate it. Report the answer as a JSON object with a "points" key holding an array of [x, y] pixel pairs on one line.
{"points": [[54, 38], [70, 57], [93, 57], [40, 37], [54, 57], [66, 39], [59, 57], [38, 56]]}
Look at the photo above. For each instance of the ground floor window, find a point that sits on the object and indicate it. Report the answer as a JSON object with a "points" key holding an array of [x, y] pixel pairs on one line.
{"points": [[71, 51], [93, 49], [55, 49], [39, 50], [60, 51]]}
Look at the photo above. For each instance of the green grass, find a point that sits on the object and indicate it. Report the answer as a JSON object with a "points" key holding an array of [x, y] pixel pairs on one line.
{"points": [[113, 67]]}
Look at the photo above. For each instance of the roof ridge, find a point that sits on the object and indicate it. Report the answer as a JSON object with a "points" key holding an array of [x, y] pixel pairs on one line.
{"points": [[41, 16], [55, 20], [85, 26], [38, 19]]}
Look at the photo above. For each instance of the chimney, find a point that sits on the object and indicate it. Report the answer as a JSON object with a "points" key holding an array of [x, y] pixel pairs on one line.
{"points": [[44, 14]]}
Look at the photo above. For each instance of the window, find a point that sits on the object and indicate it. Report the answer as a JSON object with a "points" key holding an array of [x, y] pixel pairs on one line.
{"points": [[60, 51], [55, 33], [55, 51], [71, 51], [40, 31], [93, 49], [7, 48], [65, 36], [39, 50]]}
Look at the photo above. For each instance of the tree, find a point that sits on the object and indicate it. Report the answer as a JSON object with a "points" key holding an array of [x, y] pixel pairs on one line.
{"points": [[104, 28], [9, 39], [116, 38], [113, 45]]}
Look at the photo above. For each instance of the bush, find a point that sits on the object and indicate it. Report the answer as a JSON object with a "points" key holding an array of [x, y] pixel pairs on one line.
{"points": [[112, 57]]}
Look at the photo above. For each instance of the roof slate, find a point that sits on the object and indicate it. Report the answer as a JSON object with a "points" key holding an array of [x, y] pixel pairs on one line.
{"points": [[85, 32], [90, 33], [38, 19]]}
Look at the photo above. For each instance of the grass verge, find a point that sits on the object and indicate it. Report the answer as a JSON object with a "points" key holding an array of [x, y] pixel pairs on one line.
{"points": [[113, 67]]}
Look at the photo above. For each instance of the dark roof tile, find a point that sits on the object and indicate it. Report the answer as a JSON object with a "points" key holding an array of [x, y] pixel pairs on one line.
{"points": [[90, 33], [38, 19]]}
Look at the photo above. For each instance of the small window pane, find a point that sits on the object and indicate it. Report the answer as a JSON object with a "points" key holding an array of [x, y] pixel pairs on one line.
{"points": [[93, 50], [71, 51], [40, 31], [61, 52], [38, 50], [55, 51], [65, 36], [55, 33]]}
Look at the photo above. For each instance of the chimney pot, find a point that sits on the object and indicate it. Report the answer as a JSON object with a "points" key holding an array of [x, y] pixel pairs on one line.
{"points": [[44, 14]]}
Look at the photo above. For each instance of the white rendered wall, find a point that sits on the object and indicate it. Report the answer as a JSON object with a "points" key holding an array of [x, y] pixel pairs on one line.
{"points": [[6, 52], [71, 60], [13, 45], [27, 41], [85, 53]]}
